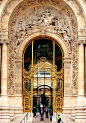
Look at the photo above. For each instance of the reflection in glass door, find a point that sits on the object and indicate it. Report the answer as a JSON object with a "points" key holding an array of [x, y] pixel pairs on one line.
{"points": [[43, 90]]}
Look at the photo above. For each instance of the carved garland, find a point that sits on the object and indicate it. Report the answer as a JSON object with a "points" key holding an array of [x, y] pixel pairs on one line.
{"points": [[46, 20]]}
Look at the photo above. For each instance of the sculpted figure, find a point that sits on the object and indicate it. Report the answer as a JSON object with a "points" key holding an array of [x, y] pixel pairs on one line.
{"points": [[44, 18]]}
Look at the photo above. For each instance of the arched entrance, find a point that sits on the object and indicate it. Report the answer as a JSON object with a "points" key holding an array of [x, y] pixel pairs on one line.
{"points": [[43, 74]]}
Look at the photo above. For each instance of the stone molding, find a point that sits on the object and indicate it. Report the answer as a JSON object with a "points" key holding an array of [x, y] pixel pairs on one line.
{"points": [[67, 60], [67, 1], [18, 59], [80, 11]]}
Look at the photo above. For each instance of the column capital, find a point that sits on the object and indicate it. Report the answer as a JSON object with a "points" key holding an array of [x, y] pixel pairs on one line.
{"points": [[2, 41], [81, 40]]}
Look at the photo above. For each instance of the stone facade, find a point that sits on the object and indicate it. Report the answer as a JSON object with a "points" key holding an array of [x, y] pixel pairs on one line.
{"points": [[24, 20]]}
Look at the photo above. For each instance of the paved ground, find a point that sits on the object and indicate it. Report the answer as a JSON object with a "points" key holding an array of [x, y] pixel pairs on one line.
{"points": [[37, 119]]}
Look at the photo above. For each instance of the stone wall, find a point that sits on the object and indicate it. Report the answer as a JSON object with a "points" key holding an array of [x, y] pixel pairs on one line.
{"points": [[24, 20]]}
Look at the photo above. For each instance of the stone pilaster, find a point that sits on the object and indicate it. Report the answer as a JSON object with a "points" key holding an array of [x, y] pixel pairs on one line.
{"points": [[67, 85], [5, 109], [81, 71], [80, 112], [0, 69], [67, 76], [4, 70], [18, 76], [16, 100], [85, 70]]}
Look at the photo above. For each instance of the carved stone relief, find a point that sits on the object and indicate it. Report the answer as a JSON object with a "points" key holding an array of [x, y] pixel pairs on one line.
{"points": [[41, 20], [42, 1], [74, 87], [48, 18]]}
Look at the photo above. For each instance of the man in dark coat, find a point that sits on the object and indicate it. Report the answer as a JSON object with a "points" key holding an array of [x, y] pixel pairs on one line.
{"points": [[34, 112]]}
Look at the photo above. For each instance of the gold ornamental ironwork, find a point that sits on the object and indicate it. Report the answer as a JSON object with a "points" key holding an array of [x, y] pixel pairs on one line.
{"points": [[57, 86], [57, 77]]}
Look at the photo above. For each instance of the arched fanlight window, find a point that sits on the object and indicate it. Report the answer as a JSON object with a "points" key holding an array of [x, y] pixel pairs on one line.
{"points": [[42, 48]]}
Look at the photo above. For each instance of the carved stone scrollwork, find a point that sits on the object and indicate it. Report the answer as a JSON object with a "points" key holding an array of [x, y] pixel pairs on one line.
{"points": [[74, 88], [11, 90], [46, 19]]}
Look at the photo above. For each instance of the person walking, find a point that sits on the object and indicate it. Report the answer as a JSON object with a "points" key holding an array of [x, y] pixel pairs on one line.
{"points": [[41, 114], [58, 119], [51, 114], [46, 111], [34, 112]]}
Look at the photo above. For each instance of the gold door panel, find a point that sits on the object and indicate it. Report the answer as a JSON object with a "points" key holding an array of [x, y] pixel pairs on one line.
{"points": [[57, 85]]}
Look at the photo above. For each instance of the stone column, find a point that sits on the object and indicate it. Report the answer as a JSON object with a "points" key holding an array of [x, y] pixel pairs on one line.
{"points": [[4, 71], [4, 98], [85, 70], [80, 113], [81, 71], [67, 85], [0, 70]]}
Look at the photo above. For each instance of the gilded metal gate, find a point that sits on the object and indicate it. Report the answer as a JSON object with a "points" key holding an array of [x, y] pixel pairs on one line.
{"points": [[57, 86], [57, 77], [58, 91], [27, 91]]}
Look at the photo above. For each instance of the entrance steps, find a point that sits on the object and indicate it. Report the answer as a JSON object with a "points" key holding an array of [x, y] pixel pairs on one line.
{"points": [[65, 119]]}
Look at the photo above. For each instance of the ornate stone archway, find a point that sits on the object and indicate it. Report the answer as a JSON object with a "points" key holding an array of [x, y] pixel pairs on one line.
{"points": [[54, 22], [14, 15]]}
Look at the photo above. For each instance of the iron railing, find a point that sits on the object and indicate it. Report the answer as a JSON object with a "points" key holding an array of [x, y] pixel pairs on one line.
{"points": [[25, 119]]}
